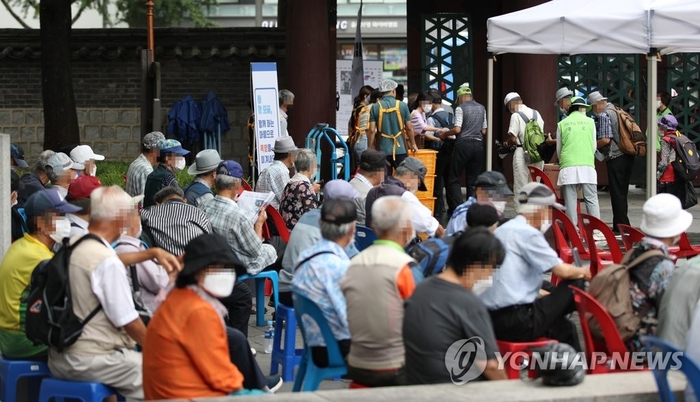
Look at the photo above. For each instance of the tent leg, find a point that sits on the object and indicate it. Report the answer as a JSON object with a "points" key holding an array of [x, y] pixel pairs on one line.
{"points": [[489, 115], [651, 123]]}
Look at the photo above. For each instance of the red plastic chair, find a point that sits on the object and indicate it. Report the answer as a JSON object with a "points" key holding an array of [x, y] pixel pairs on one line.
{"points": [[279, 223], [630, 235], [568, 239], [246, 186], [591, 223], [538, 175], [685, 249], [612, 345], [513, 351]]}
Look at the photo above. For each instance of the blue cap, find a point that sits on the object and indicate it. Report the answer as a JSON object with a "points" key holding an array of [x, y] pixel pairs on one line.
{"points": [[172, 146], [17, 154], [48, 200], [230, 168]]}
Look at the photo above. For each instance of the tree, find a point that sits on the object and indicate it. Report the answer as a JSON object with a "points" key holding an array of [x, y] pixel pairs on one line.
{"points": [[60, 117]]}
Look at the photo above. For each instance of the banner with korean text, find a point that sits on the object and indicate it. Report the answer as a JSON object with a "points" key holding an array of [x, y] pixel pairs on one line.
{"points": [[266, 109]]}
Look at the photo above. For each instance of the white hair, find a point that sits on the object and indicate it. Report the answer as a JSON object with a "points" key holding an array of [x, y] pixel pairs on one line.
{"points": [[390, 214], [305, 160], [108, 204]]}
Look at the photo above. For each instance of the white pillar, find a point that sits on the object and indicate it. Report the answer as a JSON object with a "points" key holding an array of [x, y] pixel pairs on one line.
{"points": [[489, 115], [651, 123], [5, 217]]}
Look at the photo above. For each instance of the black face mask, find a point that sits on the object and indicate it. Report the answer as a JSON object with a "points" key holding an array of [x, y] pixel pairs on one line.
{"points": [[289, 108]]}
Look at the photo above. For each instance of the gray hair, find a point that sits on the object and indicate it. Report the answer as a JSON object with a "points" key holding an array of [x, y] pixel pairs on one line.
{"points": [[402, 171], [43, 160], [390, 214], [285, 96], [304, 160], [167, 192], [107, 204], [226, 182], [333, 232]]}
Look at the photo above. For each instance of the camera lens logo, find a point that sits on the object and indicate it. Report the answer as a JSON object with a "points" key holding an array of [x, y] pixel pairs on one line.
{"points": [[462, 357]]}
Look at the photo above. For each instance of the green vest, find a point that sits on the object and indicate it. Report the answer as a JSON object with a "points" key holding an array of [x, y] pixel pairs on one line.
{"points": [[577, 141]]}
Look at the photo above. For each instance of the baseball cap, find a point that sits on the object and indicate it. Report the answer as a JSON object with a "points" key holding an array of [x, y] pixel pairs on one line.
{"points": [[151, 139], [335, 189], [82, 187], [535, 193], [482, 214], [83, 153], [372, 160], [669, 122], [60, 162], [464, 89], [48, 200], [17, 154], [493, 180], [416, 166], [172, 146], [338, 212], [230, 168]]}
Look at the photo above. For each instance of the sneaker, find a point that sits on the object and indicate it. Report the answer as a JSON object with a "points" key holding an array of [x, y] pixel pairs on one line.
{"points": [[598, 236], [274, 383], [254, 352]]}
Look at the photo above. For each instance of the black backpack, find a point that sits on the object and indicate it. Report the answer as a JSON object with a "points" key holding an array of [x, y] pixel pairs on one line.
{"points": [[687, 163], [49, 318]]}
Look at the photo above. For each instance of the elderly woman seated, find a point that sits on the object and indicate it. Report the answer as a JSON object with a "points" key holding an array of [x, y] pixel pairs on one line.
{"points": [[186, 352], [299, 195]]}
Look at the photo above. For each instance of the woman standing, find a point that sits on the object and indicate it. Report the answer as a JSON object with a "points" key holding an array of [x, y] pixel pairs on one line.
{"points": [[423, 106], [358, 124]]}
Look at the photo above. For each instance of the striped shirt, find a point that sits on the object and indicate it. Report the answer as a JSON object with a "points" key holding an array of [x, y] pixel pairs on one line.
{"points": [[274, 178], [136, 176], [232, 223], [173, 224]]}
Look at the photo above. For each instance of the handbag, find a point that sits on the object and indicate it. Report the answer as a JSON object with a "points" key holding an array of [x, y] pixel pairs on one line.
{"points": [[690, 198]]}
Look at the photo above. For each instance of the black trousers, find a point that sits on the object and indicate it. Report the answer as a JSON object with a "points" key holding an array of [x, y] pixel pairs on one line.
{"points": [[442, 173], [394, 162], [546, 317], [371, 378], [468, 155], [239, 305], [676, 188], [242, 357], [619, 176]]}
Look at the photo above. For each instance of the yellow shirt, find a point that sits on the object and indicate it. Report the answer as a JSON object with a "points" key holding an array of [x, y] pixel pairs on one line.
{"points": [[15, 273]]}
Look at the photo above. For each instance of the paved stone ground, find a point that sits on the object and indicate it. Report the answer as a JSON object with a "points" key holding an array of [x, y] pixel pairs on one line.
{"points": [[637, 198]]}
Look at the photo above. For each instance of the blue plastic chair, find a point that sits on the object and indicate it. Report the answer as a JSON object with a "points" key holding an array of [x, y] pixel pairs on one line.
{"points": [[83, 391], [12, 370], [309, 376], [290, 356], [364, 237], [260, 292], [688, 367]]}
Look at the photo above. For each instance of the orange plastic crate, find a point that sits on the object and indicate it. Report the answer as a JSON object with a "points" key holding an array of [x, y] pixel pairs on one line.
{"points": [[428, 202], [430, 184], [428, 157]]}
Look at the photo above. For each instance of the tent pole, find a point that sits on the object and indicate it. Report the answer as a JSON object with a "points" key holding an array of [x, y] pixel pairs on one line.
{"points": [[651, 122], [489, 115]]}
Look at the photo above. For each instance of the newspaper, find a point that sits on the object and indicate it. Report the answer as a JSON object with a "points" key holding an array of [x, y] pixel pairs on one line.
{"points": [[253, 203]]}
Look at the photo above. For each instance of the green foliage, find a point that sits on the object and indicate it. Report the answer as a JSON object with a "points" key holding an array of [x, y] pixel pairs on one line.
{"points": [[113, 173]]}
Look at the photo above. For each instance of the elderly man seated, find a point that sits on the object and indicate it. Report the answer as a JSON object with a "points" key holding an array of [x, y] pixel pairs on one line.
{"points": [[370, 173], [307, 233], [375, 286]]}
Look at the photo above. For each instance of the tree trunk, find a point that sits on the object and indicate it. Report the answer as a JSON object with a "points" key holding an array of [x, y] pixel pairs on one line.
{"points": [[60, 117]]}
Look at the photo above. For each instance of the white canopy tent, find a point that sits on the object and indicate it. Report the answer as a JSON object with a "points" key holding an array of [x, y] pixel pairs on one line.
{"points": [[599, 27]]}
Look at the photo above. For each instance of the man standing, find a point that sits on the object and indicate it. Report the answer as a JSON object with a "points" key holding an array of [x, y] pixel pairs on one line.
{"points": [[563, 102], [376, 285], [276, 176], [319, 271], [204, 167], [469, 127], [518, 311], [391, 120], [443, 119], [619, 164], [142, 166], [576, 146], [286, 103], [516, 136], [371, 173]]}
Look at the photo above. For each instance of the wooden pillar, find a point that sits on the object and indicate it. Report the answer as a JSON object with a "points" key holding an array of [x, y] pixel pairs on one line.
{"points": [[310, 64]]}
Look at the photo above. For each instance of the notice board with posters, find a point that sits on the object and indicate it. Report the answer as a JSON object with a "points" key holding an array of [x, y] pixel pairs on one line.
{"points": [[372, 77], [266, 109]]}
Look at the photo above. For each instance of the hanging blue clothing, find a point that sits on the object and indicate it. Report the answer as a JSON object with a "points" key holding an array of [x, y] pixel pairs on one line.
{"points": [[183, 120], [214, 117]]}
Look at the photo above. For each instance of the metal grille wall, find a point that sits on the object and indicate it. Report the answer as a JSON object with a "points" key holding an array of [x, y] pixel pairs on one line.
{"points": [[683, 76], [447, 52]]}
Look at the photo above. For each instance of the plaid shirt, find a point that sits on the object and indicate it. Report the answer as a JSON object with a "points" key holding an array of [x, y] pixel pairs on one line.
{"points": [[136, 176], [230, 222], [603, 126], [274, 178]]}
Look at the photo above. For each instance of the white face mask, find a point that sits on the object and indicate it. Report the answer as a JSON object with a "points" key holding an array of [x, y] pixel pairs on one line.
{"points": [[499, 205], [546, 224], [179, 164], [427, 108], [658, 104], [93, 170], [61, 229], [220, 284]]}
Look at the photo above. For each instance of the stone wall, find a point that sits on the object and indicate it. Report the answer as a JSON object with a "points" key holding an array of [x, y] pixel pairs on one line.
{"points": [[106, 68]]}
